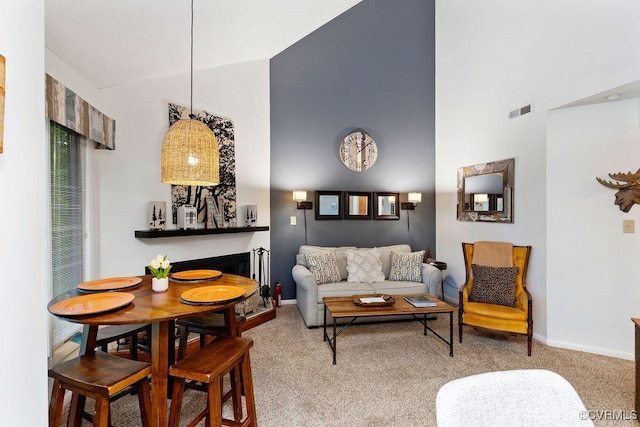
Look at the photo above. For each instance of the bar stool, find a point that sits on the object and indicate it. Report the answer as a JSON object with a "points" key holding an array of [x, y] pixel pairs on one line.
{"points": [[99, 376], [111, 333], [206, 324], [208, 366]]}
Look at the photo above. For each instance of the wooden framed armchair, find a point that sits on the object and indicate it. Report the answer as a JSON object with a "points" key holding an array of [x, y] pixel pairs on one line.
{"points": [[517, 319]]}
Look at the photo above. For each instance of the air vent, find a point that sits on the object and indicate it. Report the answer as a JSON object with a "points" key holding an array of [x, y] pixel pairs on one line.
{"points": [[525, 109]]}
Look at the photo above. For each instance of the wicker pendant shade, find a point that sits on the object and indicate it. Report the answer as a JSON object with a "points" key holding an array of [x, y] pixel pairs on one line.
{"points": [[190, 154]]}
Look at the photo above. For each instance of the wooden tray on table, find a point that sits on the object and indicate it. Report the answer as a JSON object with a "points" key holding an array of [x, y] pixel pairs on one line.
{"points": [[373, 300]]}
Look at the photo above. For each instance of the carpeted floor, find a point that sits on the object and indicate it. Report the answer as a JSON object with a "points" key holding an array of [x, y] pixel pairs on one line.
{"points": [[388, 374]]}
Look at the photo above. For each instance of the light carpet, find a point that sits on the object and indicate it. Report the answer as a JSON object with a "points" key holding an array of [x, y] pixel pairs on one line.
{"points": [[388, 374]]}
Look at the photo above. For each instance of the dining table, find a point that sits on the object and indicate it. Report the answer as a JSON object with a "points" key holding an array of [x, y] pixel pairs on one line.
{"points": [[160, 309]]}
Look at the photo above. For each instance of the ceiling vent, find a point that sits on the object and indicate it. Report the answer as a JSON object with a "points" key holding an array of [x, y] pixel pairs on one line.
{"points": [[525, 109]]}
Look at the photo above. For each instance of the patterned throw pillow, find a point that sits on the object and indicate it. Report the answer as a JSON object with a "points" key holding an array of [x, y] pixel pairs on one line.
{"points": [[406, 266], [324, 267], [494, 285], [364, 266]]}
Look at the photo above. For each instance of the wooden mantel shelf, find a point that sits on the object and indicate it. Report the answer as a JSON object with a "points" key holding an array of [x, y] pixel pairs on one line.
{"points": [[152, 234]]}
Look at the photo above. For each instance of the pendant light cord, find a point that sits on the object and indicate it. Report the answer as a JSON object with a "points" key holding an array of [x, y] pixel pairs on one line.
{"points": [[191, 85]]}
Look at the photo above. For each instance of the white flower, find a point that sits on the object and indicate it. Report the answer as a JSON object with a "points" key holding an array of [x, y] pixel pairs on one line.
{"points": [[160, 266]]}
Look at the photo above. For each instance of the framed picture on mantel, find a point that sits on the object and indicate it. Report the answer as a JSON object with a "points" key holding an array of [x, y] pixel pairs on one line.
{"points": [[157, 215], [214, 216]]}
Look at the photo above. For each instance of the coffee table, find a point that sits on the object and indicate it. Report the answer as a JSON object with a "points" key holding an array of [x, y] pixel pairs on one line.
{"points": [[344, 307]]}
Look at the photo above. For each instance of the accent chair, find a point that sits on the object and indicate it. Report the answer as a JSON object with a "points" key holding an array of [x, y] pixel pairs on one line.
{"points": [[500, 300]]}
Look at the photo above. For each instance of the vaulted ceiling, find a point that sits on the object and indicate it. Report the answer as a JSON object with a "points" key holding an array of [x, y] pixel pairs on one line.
{"points": [[118, 41]]}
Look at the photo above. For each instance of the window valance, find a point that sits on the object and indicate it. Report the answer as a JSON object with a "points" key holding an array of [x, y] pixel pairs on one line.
{"points": [[69, 110]]}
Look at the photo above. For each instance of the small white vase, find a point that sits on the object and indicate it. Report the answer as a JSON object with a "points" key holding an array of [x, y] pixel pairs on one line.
{"points": [[159, 285]]}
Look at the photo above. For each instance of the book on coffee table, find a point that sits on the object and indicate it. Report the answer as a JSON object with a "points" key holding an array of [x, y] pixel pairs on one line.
{"points": [[420, 301]]}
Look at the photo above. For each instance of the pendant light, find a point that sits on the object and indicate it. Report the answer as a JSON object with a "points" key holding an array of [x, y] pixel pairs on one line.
{"points": [[190, 153]]}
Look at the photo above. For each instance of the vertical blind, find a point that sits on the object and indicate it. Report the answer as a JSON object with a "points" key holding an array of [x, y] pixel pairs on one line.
{"points": [[67, 206]]}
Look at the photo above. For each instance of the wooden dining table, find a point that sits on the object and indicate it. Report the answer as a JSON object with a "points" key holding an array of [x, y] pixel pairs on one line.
{"points": [[160, 309]]}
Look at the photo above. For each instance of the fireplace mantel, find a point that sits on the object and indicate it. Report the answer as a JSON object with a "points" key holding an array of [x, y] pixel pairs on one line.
{"points": [[152, 234]]}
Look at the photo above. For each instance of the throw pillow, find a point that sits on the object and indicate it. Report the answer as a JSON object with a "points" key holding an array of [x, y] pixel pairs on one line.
{"points": [[494, 285], [364, 266], [406, 266], [324, 267], [385, 254]]}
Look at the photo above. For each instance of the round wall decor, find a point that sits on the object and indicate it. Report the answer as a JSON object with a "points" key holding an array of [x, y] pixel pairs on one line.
{"points": [[358, 151]]}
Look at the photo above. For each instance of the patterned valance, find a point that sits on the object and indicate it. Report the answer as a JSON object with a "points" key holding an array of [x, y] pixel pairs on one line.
{"points": [[69, 110]]}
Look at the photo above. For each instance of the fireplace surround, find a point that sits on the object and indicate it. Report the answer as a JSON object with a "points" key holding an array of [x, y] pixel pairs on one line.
{"points": [[239, 264]]}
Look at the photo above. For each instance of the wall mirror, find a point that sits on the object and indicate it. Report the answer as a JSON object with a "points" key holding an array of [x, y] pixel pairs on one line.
{"points": [[485, 192], [328, 205], [386, 206], [357, 205]]}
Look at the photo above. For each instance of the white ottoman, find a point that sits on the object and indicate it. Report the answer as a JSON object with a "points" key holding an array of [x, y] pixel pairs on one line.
{"points": [[531, 397]]}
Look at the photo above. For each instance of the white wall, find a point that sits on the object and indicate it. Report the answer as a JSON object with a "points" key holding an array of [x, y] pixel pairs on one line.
{"points": [[129, 177], [492, 57], [595, 276], [24, 241]]}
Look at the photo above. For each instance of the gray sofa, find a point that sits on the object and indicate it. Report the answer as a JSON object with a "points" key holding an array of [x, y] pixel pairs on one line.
{"points": [[309, 293]]}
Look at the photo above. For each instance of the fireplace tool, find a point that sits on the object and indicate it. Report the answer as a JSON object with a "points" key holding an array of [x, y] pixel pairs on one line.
{"points": [[263, 279]]}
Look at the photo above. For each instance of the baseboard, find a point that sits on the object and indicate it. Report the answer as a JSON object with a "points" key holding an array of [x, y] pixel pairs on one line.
{"points": [[288, 302], [589, 349], [66, 351]]}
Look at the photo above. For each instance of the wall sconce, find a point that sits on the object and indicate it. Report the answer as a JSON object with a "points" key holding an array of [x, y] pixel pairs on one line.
{"points": [[414, 199], [301, 197]]}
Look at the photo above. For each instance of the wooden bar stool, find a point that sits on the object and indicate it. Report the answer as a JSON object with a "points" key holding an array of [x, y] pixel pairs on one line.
{"points": [[114, 333], [100, 376], [205, 324], [208, 366]]}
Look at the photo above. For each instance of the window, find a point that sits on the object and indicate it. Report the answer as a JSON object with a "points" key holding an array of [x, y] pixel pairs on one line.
{"points": [[67, 218]]}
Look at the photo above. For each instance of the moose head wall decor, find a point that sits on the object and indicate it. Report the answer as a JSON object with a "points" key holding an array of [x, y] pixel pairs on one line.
{"points": [[628, 188]]}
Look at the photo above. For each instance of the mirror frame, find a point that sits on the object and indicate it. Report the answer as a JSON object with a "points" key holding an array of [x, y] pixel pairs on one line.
{"points": [[319, 196], [347, 205], [507, 169], [377, 214]]}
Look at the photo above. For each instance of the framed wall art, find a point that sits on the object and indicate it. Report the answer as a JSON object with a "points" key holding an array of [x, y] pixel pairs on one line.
{"points": [[386, 206], [357, 205], [224, 193], [328, 205]]}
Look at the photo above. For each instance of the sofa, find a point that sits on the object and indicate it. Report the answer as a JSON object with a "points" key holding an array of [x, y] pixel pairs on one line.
{"points": [[360, 271]]}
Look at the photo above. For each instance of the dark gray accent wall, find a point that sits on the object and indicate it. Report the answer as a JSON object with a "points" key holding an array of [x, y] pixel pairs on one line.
{"points": [[371, 68]]}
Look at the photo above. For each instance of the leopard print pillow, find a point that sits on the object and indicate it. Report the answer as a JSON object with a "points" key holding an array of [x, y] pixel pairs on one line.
{"points": [[494, 285]]}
